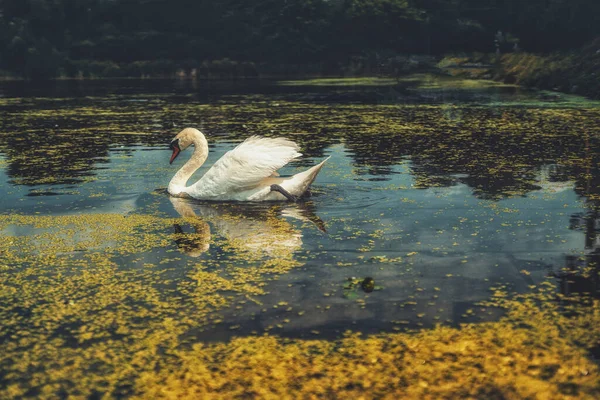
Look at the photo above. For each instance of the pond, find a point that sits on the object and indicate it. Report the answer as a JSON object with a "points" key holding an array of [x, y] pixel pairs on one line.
{"points": [[439, 194]]}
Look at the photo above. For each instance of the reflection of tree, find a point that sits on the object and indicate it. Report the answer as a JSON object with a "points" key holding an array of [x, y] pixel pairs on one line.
{"points": [[55, 156], [50, 157], [499, 152], [582, 274], [496, 154], [63, 141]]}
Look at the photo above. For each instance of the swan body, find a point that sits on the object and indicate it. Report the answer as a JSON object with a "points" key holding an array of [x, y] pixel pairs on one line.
{"points": [[246, 173]]}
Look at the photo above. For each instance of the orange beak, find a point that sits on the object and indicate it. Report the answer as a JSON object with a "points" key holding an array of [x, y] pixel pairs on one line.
{"points": [[176, 150]]}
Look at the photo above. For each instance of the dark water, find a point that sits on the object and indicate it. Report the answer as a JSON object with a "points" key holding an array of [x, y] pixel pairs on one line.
{"points": [[442, 192]]}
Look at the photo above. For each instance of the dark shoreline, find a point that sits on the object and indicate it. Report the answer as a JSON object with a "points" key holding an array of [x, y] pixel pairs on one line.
{"points": [[574, 72]]}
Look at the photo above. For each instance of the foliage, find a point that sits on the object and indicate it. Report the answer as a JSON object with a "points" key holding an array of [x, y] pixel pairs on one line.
{"points": [[571, 72], [47, 38]]}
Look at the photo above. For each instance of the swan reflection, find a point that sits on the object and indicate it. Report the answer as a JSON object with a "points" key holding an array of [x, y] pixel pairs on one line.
{"points": [[260, 230]]}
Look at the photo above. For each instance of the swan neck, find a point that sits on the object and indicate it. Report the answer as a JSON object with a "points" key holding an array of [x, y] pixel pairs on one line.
{"points": [[179, 181]]}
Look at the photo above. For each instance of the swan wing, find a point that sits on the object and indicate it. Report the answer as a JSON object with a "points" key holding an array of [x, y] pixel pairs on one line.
{"points": [[247, 165]]}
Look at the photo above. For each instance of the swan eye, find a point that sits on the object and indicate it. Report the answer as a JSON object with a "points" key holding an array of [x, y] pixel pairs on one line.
{"points": [[174, 144]]}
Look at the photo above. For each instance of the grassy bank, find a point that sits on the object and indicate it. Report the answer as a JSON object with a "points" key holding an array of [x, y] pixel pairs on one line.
{"points": [[573, 72]]}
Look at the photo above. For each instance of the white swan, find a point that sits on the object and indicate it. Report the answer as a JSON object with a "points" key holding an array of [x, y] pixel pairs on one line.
{"points": [[246, 173]]}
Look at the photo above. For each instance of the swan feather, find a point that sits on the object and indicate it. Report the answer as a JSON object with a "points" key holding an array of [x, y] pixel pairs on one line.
{"points": [[246, 166]]}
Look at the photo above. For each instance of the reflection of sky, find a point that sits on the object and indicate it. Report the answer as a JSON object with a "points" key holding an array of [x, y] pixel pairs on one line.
{"points": [[448, 247]]}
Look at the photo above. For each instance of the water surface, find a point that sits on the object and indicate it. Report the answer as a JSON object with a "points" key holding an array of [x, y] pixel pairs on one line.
{"points": [[443, 192]]}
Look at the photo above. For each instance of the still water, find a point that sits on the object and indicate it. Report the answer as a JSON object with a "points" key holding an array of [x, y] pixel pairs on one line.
{"points": [[441, 191]]}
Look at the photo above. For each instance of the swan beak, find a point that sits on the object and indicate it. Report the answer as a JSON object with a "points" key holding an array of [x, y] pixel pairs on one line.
{"points": [[176, 150]]}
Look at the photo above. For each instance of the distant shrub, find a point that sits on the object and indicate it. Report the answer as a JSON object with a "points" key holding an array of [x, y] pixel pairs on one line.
{"points": [[42, 61], [248, 70], [162, 68], [226, 69], [82, 50], [92, 69], [112, 70], [134, 69], [69, 68], [572, 72]]}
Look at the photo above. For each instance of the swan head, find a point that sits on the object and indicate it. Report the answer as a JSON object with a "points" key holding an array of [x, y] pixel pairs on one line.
{"points": [[183, 140]]}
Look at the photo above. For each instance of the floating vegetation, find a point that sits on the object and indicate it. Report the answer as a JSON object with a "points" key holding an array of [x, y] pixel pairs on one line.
{"points": [[86, 287], [469, 232], [116, 333], [526, 354]]}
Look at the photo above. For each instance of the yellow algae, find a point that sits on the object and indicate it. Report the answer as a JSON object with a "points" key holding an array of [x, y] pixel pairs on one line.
{"points": [[55, 235], [83, 326], [489, 360], [88, 310], [76, 298], [441, 136]]}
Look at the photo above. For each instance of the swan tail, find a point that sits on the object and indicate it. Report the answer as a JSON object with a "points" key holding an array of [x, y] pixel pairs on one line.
{"points": [[302, 180]]}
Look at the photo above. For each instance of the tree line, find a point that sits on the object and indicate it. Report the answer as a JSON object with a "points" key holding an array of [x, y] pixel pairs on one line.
{"points": [[49, 38]]}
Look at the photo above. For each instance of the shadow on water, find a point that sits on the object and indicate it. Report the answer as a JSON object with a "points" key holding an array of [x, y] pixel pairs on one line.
{"points": [[414, 89]]}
